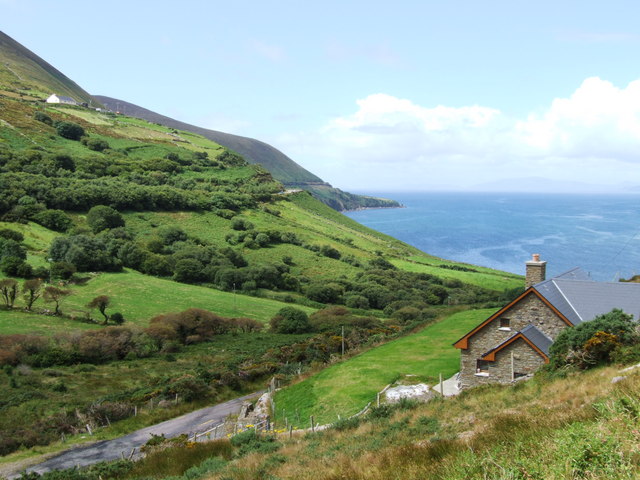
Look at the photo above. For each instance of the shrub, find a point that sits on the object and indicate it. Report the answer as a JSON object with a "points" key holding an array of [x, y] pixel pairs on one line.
{"points": [[356, 301], [55, 220], [102, 217], [249, 441], [330, 252], [241, 224], [62, 270], [324, 293], [170, 234], [592, 343], [43, 117], [97, 145], [69, 130], [11, 235], [15, 267], [290, 320]]}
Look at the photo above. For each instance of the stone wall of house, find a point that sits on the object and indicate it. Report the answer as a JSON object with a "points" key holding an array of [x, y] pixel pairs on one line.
{"points": [[529, 310]]}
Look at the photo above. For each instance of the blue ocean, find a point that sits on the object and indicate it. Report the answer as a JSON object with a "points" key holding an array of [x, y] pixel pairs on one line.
{"points": [[600, 233]]}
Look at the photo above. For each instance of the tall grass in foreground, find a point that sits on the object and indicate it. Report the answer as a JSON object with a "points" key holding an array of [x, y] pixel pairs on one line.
{"points": [[580, 427]]}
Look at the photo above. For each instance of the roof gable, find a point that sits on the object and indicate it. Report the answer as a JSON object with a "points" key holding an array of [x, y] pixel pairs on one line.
{"points": [[463, 343], [537, 340]]}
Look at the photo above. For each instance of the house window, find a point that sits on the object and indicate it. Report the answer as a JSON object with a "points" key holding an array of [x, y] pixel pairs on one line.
{"points": [[505, 324], [482, 367]]}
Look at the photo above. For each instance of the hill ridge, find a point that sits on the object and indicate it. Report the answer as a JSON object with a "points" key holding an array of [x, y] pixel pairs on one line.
{"points": [[63, 84], [281, 166]]}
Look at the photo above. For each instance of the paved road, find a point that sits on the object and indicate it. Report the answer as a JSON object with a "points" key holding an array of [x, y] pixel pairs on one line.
{"points": [[198, 421]]}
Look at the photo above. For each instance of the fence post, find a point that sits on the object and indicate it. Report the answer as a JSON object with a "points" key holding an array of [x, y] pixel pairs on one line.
{"points": [[135, 410], [313, 427], [378, 399], [290, 431]]}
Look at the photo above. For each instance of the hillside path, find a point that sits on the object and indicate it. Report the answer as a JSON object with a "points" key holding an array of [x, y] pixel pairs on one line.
{"points": [[198, 421]]}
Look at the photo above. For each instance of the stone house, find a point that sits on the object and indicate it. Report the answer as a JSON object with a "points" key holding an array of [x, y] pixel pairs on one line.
{"points": [[61, 99], [515, 341]]}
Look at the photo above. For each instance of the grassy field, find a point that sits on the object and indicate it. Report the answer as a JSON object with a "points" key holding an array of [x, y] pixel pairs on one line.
{"points": [[345, 388], [130, 293], [482, 277], [574, 428]]}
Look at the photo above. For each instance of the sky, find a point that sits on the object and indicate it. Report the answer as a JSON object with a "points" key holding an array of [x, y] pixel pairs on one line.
{"points": [[375, 96]]}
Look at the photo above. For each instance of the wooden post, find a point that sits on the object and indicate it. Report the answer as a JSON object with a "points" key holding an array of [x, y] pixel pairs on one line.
{"points": [[135, 411], [313, 427], [513, 368], [441, 386], [290, 431], [378, 399], [286, 423], [343, 340], [176, 401]]}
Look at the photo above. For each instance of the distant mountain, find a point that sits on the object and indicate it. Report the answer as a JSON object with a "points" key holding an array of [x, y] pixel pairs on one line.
{"points": [[283, 168], [25, 74]]}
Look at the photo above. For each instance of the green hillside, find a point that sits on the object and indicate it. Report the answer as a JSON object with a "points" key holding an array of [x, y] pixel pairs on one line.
{"points": [[283, 168], [25, 75], [345, 388], [165, 265]]}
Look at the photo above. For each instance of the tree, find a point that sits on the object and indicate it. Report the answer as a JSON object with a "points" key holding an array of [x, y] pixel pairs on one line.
{"points": [[9, 291], [31, 289], [55, 295], [102, 217], [69, 130], [290, 320], [117, 318], [101, 302]]}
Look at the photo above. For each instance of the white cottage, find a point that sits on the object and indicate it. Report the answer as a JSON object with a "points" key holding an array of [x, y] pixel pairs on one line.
{"points": [[61, 99]]}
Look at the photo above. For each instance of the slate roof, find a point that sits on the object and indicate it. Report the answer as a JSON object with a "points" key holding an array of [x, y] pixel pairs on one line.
{"points": [[580, 299], [531, 333], [538, 338]]}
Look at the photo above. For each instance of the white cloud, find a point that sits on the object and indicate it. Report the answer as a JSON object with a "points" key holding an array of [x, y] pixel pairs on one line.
{"points": [[388, 142]]}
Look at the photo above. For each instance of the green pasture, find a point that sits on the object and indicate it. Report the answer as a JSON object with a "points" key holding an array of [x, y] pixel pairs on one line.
{"points": [[345, 388], [483, 277], [140, 297], [19, 321]]}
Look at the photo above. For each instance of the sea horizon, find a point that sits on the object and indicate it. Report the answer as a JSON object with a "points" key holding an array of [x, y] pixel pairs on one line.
{"points": [[597, 232]]}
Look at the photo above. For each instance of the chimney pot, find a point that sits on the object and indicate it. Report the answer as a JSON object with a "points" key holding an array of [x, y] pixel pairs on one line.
{"points": [[536, 271]]}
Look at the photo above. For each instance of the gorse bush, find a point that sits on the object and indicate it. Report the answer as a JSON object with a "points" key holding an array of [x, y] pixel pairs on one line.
{"points": [[594, 342]]}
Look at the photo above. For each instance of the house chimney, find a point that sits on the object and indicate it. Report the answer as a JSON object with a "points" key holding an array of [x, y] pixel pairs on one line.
{"points": [[536, 271]]}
